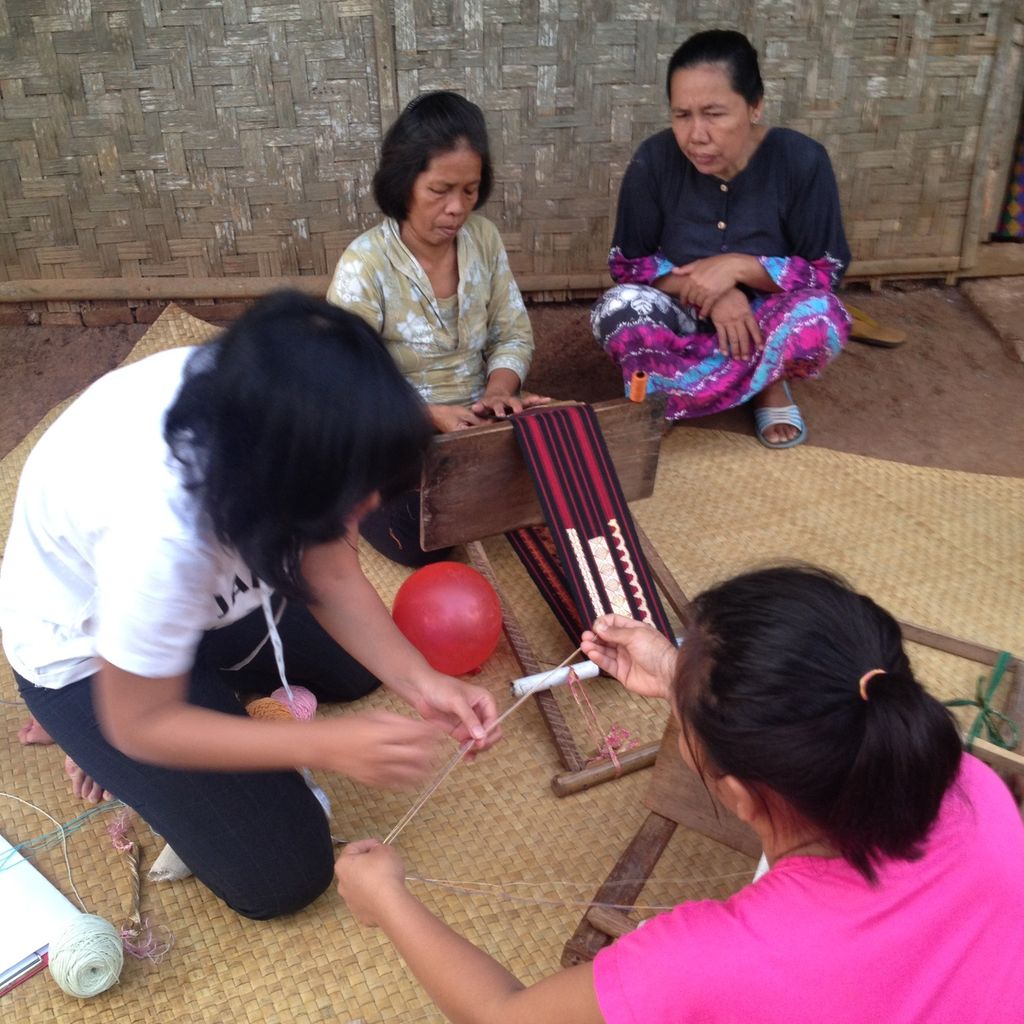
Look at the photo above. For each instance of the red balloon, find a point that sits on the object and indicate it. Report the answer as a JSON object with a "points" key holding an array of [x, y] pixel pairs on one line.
{"points": [[451, 614]]}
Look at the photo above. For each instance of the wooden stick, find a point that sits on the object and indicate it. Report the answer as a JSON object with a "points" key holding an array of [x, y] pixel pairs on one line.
{"points": [[622, 886], [593, 775], [968, 649], [998, 757], [611, 921], [112, 288], [100, 289], [459, 755]]}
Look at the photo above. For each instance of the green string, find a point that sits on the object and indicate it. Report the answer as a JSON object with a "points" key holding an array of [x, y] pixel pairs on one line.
{"points": [[31, 847], [1000, 729]]}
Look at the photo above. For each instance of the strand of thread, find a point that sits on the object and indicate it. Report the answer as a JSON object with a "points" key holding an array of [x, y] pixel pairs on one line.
{"points": [[488, 890], [459, 755], [275, 642]]}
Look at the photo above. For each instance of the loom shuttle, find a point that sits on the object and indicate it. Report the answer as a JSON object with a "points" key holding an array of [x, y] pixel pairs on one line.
{"points": [[557, 677]]}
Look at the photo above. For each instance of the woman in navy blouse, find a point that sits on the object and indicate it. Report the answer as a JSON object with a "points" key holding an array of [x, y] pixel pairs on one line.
{"points": [[728, 247]]}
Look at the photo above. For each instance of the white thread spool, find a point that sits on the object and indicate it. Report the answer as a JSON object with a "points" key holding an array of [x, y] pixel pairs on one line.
{"points": [[87, 957], [556, 677]]}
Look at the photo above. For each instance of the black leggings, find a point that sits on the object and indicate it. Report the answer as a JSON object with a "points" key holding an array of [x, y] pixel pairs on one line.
{"points": [[258, 840]]}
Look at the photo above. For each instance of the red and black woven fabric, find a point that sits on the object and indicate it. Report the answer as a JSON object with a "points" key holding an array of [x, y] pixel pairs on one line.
{"points": [[590, 562], [536, 550]]}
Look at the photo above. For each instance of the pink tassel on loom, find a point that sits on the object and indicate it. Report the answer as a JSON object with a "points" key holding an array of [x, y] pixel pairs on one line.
{"points": [[618, 741], [118, 830], [143, 944], [608, 744]]}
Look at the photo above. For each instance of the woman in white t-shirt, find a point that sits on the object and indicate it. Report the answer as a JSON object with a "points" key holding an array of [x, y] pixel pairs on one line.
{"points": [[184, 514]]}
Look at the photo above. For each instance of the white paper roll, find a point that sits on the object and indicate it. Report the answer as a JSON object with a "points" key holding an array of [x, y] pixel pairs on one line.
{"points": [[554, 677]]}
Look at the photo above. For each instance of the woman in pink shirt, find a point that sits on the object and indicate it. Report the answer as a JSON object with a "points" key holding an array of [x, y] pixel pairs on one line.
{"points": [[895, 892]]}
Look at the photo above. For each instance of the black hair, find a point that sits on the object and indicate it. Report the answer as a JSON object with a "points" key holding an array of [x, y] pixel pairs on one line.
{"points": [[721, 46], [767, 691], [431, 124], [289, 420]]}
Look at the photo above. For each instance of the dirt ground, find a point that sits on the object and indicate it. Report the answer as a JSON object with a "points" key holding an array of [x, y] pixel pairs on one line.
{"points": [[951, 396]]}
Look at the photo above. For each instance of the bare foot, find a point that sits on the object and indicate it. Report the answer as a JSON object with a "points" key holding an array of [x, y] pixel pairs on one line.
{"points": [[32, 732], [774, 396], [83, 785]]}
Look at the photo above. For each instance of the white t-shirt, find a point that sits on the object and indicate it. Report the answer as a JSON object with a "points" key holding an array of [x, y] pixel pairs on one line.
{"points": [[108, 555]]}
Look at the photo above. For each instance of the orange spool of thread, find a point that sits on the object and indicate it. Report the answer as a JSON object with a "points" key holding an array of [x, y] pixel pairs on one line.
{"points": [[638, 386], [266, 708]]}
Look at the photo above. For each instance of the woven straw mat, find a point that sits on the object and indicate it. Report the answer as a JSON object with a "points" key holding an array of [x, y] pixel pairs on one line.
{"points": [[509, 865]]}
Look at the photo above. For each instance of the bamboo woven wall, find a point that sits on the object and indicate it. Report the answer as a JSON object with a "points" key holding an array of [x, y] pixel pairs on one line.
{"points": [[225, 138]]}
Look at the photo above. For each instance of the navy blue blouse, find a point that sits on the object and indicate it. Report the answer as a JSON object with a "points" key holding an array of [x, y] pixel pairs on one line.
{"points": [[784, 203]]}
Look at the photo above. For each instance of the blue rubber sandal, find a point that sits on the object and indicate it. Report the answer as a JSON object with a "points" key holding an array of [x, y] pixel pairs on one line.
{"points": [[769, 416]]}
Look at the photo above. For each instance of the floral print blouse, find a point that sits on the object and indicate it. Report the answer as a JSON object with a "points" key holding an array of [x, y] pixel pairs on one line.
{"points": [[379, 279]]}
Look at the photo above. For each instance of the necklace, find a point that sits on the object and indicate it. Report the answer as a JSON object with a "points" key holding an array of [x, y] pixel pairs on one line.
{"points": [[823, 847]]}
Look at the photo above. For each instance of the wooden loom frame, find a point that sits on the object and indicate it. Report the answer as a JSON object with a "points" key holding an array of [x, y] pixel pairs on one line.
{"points": [[476, 485], [676, 797]]}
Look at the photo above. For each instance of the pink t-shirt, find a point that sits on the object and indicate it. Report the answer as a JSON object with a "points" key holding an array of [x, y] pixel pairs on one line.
{"points": [[939, 940]]}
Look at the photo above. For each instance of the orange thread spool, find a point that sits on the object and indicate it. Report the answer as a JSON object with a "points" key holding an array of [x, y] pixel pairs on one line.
{"points": [[638, 386], [266, 708]]}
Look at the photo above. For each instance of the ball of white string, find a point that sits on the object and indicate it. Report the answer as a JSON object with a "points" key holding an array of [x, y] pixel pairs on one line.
{"points": [[86, 958]]}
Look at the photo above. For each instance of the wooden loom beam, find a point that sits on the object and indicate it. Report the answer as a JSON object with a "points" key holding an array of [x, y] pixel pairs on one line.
{"points": [[476, 484]]}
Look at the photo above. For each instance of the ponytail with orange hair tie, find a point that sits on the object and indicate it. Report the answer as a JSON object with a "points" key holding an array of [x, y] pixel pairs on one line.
{"points": [[866, 678]]}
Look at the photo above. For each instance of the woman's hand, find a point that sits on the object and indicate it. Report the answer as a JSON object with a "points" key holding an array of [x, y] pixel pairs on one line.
{"points": [[462, 710], [498, 406], [449, 418], [633, 652], [502, 396], [376, 748], [703, 282], [369, 874], [464, 981], [738, 333]]}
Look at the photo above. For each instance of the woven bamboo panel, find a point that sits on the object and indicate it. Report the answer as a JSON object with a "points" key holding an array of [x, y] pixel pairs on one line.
{"points": [[226, 138]]}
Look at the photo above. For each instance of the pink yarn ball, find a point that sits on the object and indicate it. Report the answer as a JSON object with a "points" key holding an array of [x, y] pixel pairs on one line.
{"points": [[305, 703]]}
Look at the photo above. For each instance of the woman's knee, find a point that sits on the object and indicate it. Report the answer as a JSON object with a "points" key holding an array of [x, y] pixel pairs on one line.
{"points": [[837, 319], [286, 893], [280, 871], [628, 304], [813, 306], [816, 302]]}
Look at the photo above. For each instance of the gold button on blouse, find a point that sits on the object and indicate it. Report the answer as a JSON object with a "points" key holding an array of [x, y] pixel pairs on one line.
{"points": [[721, 225], [724, 187]]}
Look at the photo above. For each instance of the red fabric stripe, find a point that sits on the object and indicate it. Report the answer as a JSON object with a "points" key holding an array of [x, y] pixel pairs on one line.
{"points": [[535, 550]]}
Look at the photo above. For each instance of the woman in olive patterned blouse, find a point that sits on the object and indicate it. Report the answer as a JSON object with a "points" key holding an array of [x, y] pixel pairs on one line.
{"points": [[433, 278]]}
